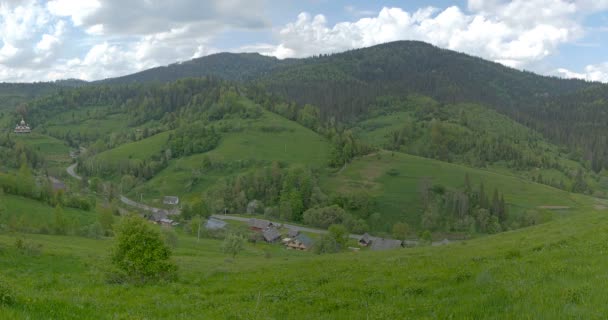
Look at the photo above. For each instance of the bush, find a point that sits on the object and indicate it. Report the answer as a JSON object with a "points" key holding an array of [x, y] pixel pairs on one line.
{"points": [[140, 252]]}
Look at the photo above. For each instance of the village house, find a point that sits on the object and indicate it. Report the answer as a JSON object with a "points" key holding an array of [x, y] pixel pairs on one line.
{"points": [[22, 127], [385, 244], [215, 224], [300, 242], [365, 240], [171, 200]]}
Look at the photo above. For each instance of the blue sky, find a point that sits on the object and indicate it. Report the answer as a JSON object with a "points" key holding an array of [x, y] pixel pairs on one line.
{"points": [[94, 39]]}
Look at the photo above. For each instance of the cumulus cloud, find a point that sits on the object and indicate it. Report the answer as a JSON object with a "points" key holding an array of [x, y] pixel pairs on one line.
{"points": [[43, 40], [145, 17], [598, 72], [514, 33]]}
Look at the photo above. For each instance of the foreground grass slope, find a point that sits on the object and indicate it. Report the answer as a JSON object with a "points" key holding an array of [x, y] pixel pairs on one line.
{"points": [[551, 271], [393, 178]]}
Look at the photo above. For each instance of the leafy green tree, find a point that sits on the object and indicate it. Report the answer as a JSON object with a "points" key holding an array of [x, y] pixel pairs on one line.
{"points": [[140, 252], [105, 219], [233, 244], [60, 223], [326, 244], [340, 234]]}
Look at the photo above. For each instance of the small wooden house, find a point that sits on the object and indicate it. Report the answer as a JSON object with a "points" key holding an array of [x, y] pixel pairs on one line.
{"points": [[300, 242]]}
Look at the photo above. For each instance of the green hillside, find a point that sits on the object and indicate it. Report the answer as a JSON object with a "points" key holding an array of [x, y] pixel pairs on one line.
{"points": [[472, 135], [393, 179], [257, 143]]}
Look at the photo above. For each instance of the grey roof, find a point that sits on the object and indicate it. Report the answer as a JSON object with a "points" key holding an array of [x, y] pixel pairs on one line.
{"points": [[292, 233], [385, 244], [271, 234], [171, 200], [305, 240], [259, 223], [215, 224], [365, 238], [158, 215]]}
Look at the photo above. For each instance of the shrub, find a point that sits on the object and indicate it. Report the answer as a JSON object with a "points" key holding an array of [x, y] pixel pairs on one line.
{"points": [[7, 295], [140, 252]]}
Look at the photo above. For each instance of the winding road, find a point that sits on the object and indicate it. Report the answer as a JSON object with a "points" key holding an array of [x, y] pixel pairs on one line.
{"points": [[72, 171]]}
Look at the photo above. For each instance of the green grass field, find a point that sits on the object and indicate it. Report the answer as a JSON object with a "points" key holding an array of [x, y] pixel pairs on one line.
{"points": [[551, 271], [397, 193], [139, 150]]}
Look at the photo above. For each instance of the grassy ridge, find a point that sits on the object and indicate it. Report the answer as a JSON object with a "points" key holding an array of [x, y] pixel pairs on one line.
{"points": [[550, 271], [393, 179]]}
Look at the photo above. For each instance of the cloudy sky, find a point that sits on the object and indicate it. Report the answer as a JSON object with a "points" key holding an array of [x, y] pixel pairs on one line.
{"points": [[95, 39]]}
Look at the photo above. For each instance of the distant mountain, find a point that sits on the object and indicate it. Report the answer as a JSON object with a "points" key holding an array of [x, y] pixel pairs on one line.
{"points": [[229, 66]]}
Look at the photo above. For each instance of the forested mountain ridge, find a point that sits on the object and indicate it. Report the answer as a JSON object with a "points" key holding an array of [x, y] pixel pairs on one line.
{"points": [[228, 66]]}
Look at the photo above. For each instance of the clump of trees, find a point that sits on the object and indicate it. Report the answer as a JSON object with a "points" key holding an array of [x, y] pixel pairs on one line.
{"points": [[23, 183], [466, 210]]}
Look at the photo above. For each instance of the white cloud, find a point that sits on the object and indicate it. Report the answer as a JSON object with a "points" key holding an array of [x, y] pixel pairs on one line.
{"points": [[598, 72], [515, 33], [77, 10]]}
